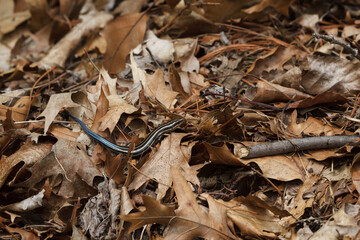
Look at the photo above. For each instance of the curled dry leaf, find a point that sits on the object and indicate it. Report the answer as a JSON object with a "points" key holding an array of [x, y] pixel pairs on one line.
{"points": [[222, 155], [29, 154], [185, 53], [267, 92], [355, 171], [28, 204], [254, 217], [26, 235], [126, 206], [162, 49], [193, 221], [110, 82]]}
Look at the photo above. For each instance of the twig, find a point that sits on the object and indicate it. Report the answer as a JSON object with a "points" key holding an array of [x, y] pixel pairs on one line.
{"points": [[330, 38], [311, 143], [244, 100]]}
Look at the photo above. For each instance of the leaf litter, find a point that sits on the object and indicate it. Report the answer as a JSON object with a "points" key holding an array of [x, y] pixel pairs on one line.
{"points": [[269, 91]]}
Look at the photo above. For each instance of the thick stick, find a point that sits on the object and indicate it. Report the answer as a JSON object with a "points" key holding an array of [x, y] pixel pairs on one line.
{"points": [[297, 144]]}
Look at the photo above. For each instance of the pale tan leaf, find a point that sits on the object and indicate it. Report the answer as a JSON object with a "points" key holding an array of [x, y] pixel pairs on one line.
{"points": [[111, 82], [282, 168], [59, 101], [117, 106], [155, 87], [27, 204], [162, 49], [129, 6], [184, 52], [311, 126], [77, 234]]}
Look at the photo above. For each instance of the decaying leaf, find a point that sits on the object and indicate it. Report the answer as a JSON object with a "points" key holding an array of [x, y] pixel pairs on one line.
{"points": [[331, 74]]}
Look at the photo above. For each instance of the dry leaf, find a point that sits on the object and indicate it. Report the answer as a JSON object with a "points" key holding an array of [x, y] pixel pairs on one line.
{"points": [[281, 6], [122, 35], [275, 167], [155, 213], [118, 106], [27, 204], [162, 49], [254, 217], [355, 171], [170, 153], [68, 161], [191, 220], [343, 224], [60, 52], [129, 6], [25, 235], [267, 92], [331, 74], [9, 18], [154, 85], [28, 153], [311, 126], [59, 101]]}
